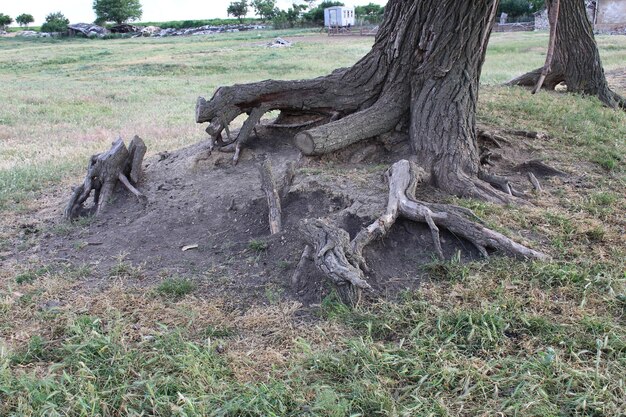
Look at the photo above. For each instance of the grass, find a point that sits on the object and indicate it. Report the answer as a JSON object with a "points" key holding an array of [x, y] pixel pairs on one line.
{"points": [[497, 337], [175, 287], [257, 245]]}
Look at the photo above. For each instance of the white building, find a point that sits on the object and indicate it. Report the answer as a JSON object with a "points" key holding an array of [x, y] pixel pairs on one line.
{"points": [[339, 16]]}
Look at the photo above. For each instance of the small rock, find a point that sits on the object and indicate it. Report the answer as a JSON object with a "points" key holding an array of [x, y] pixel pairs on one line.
{"points": [[49, 305]]}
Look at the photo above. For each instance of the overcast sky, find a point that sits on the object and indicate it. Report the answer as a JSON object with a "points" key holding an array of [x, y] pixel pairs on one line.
{"points": [[153, 10]]}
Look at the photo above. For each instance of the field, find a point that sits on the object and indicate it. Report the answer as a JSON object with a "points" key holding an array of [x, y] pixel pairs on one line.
{"points": [[480, 338]]}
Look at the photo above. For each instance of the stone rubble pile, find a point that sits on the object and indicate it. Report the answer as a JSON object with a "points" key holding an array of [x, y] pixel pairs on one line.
{"points": [[91, 30]]}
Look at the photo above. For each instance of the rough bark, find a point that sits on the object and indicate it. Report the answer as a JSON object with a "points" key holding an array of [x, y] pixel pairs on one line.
{"points": [[104, 171], [424, 67], [576, 60], [268, 184]]}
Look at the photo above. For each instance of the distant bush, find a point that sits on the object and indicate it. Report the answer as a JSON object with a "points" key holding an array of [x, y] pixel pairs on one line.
{"points": [[265, 9], [186, 24], [371, 13], [55, 22], [24, 19], [118, 11], [238, 8], [289, 18], [5, 20]]}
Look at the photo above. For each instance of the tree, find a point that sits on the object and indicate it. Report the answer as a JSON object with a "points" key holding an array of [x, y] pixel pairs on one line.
{"points": [[576, 60], [410, 78], [238, 9], [265, 9], [55, 22], [419, 82], [418, 85], [118, 11], [24, 19], [372, 13], [5, 20], [290, 17]]}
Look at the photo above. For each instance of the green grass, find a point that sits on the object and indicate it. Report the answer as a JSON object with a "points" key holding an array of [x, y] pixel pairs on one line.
{"points": [[257, 245], [175, 287], [497, 337]]}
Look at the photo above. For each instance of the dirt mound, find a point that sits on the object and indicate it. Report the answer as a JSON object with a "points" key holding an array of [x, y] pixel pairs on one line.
{"points": [[196, 197]]}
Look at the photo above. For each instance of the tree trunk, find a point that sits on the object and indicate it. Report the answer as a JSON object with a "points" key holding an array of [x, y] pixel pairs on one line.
{"points": [[424, 67], [576, 60]]}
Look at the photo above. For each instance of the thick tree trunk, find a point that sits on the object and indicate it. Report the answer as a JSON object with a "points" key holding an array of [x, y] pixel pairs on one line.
{"points": [[576, 60], [424, 66]]}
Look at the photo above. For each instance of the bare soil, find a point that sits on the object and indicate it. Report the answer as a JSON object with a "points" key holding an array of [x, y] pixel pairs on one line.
{"points": [[200, 198]]}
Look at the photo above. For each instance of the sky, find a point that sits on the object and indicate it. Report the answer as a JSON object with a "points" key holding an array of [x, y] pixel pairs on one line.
{"points": [[79, 11]]}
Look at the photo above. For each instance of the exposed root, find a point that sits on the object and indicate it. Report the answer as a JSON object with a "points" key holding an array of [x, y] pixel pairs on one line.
{"points": [[307, 256], [246, 130], [131, 188], [531, 79], [342, 261], [535, 182], [474, 187], [104, 170], [290, 174], [268, 184], [539, 168], [528, 134], [333, 255], [493, 138], [373, 121], [500, 183]]}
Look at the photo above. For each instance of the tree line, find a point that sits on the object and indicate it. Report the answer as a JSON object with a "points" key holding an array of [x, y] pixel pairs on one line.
{"points": [[297, 14], [120, 11], [115, 11]]}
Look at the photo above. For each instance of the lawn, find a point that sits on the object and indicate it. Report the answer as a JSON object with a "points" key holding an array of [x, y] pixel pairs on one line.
{"points": [[483, 338]]}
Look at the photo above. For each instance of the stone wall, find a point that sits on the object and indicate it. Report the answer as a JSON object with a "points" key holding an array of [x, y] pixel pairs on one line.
{"points": [[609, 18]]}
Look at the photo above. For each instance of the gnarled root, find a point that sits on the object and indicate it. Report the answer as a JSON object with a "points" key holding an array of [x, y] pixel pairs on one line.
{"points": [[342, 260], [334, 256], [531, 79], [104, 170]]}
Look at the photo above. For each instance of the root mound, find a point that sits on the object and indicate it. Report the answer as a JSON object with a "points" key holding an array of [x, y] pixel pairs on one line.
{"points": [[195, 197]]}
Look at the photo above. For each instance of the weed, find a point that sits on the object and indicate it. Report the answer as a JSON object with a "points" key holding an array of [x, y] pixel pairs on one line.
{"points": [[283, 264], [257, 245], [125, 270], [274, 294], [175, 287], [453, 269], [31, 275]]}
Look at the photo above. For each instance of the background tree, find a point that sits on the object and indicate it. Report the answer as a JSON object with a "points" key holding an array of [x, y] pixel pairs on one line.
{"points": [[55, 22], [576, 60], [265, 9], [238, 9], [118, 11], [290, 17], [520, 8], [372, 13], [25, 19], [5, 20]]}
